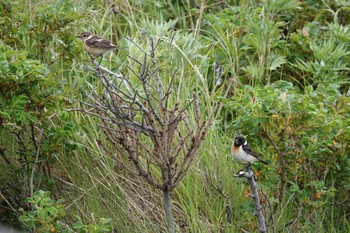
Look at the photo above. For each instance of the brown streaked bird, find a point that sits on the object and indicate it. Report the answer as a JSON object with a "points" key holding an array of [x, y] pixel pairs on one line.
{"points": [[243, 153], [96, 46]]}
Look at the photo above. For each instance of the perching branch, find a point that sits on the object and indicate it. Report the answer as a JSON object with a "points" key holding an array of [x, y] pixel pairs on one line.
{"points": [[248, 173]]}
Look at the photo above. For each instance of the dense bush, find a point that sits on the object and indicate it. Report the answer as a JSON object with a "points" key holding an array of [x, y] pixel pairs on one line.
{"points": [[35, 129], [305, 132]]}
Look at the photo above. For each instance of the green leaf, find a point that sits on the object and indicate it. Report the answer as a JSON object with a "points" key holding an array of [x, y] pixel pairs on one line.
{"points": [[284, 85], [24, 218], [277, 62], [19, 102]]}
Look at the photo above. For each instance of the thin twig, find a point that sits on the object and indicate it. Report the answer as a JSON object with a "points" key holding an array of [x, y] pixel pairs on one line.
{"points": [[270, 210], [38, 148], [137, 45], [291, 223]]}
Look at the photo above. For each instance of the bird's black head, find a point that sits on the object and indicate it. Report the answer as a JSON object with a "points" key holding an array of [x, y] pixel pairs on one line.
{"points": [[239, 141]]}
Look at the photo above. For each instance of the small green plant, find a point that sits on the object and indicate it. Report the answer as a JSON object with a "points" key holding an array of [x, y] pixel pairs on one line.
{"points": [[103, 225], [47, 216]]}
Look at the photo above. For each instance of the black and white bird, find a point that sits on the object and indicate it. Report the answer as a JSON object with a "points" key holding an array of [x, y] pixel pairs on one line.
{"points": [[243, 153]]}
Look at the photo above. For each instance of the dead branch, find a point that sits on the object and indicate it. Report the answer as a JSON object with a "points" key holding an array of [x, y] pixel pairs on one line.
{"points": [[146, 133]]}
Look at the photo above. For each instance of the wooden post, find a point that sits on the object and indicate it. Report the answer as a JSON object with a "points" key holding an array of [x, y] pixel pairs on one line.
{"points": [[248, 173]]}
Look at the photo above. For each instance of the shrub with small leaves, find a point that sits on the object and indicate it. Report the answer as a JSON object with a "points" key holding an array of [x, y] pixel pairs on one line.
{"points": [[47, 216], [46, 212], [305, 133], [34, 128]]}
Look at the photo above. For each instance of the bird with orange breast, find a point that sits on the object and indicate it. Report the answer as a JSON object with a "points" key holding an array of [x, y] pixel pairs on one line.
{"points": [[242, 152]]}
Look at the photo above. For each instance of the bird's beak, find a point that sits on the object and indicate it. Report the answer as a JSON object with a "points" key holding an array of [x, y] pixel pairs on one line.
{"points": [[78, 36]]}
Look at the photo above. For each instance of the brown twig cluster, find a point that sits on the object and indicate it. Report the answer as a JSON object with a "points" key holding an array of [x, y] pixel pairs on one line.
{"points": [[148, 134]]}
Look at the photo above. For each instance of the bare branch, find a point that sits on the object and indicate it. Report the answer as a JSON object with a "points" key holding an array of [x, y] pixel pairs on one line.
{"points": [[156, 73], [37, 154], [137, 45], [168, 91], [146, 134], [270, 210]]}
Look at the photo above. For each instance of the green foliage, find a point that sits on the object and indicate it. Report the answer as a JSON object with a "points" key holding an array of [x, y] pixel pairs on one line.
{"points": [[329, 64], [47, 30], [304, 133], [249, 37], [284, 66], [25, 96], [34, 129], [45, 212], [103, 225], [254, 43], [47, 215], [20, 77]]}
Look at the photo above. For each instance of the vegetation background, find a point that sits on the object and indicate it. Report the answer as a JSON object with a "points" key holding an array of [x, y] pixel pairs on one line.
{"points": [[279, 68]]}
